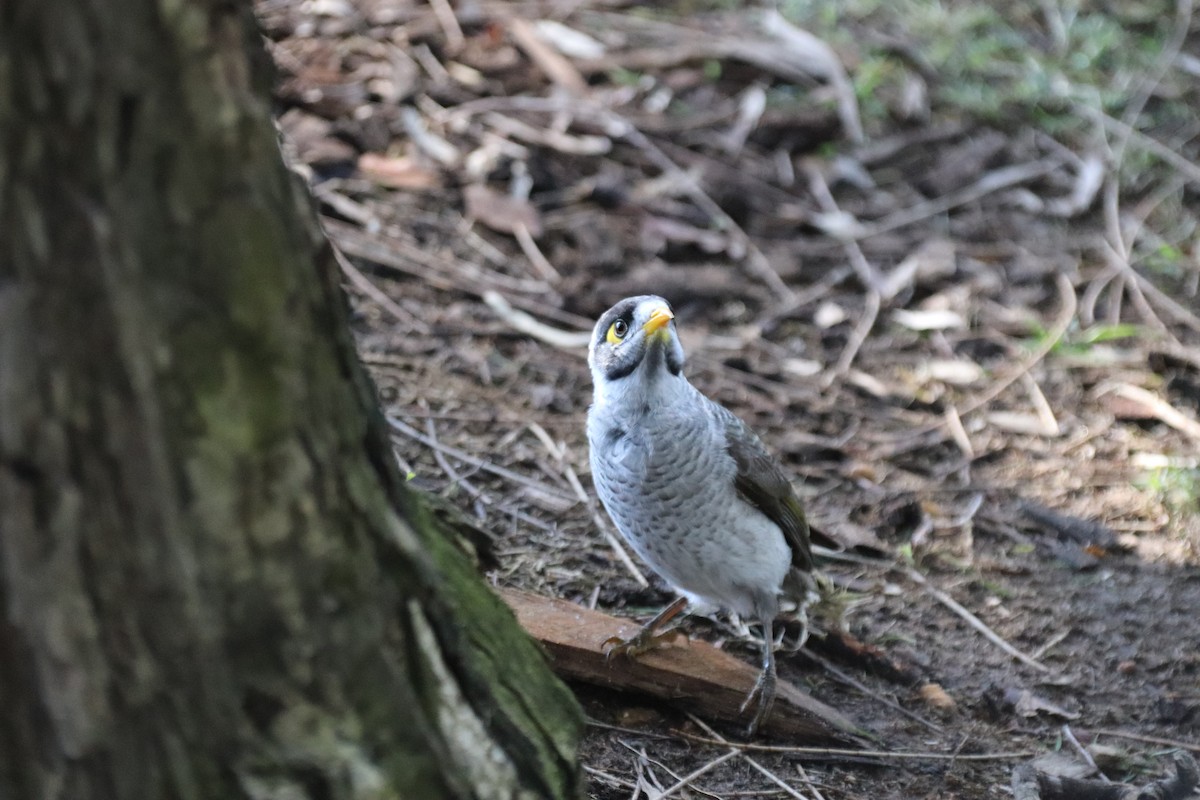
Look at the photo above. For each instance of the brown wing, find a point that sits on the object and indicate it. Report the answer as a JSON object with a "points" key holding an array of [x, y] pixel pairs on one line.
{"points": [[763, 484]]}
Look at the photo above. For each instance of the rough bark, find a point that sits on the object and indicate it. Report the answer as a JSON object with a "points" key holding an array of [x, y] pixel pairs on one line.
{"points": [[206, 590]]}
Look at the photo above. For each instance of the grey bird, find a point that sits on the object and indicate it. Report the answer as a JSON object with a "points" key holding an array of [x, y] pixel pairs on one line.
{"points": [[691, 489]]}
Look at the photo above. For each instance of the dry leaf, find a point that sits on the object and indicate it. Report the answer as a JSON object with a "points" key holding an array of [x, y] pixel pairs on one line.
{"points": [[1027, 704], [568, 41], [934, 259], [935, 319], [955, 371], [657, 232], [1019, 422], [501, 212], [403, 172], [829, 314], [934, 696], [1062, 764], [869, 383], [801, 367]]}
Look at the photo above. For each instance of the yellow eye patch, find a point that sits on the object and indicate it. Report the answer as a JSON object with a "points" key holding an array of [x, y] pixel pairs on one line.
{"points": [[617, 331]]}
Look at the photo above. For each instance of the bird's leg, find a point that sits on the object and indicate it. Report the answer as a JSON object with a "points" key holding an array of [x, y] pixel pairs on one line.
{"points": [[764, 688], [648, 637]]}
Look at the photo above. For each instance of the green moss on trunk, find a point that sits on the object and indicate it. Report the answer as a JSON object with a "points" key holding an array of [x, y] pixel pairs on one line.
{"points": [[213, 582]]}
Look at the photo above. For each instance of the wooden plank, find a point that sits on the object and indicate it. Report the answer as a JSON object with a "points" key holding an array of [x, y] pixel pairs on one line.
{"points": [[692, 675]]}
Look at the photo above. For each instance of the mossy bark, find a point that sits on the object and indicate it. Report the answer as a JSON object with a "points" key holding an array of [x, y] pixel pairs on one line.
{"points": [[213, 582]]}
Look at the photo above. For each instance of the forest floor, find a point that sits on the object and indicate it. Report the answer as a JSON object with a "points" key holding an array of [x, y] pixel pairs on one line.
{"points": [[945, 262]]}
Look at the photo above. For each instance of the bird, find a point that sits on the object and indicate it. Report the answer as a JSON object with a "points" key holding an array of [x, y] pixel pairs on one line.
{"points": [[692, 490]]}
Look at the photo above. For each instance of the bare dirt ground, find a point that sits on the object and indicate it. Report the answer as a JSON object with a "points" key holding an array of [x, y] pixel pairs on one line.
{"points": [[972, 343]]}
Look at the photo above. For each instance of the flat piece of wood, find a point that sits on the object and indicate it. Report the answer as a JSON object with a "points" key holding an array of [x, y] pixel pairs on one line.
{"points": [[692, 675]]}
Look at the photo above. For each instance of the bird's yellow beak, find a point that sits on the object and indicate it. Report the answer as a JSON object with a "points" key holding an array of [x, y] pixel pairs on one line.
{"points": [[659, 319]]}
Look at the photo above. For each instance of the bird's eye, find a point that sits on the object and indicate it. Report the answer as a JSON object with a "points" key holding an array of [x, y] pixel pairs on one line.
{"points": [[617, 331]]}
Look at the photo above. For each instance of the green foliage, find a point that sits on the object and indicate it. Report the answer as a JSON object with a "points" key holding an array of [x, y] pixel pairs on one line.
{"points": [[1008, 64], [1178, 487], [625, 77], [995, 588], [1166, 260], [1079, 342]]}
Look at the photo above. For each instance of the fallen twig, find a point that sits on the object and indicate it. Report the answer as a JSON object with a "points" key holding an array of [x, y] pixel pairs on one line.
{"points": [[573, 341], [557, 67], [755, 261], [450, 27], [364, 285], [483, 464], [992, 182], [1066, 312], [868, 692], [1141, 737], [972, 620], [686, 780], [901, 755], [771, 776], [1082, 751], [1160, 409]]}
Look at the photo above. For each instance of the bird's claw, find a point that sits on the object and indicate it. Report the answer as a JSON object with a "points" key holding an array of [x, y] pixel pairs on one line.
{"points": [[641, 642]]}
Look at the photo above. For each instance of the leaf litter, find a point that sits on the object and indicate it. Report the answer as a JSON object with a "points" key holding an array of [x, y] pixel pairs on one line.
{"points": [[912, 306]]}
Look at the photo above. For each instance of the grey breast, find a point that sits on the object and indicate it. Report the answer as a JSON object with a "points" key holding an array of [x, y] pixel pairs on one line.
{"points": [[661, 475]]}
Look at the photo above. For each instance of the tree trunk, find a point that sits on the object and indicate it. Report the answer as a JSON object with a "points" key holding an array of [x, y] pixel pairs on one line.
{"points": [[206, 590]]}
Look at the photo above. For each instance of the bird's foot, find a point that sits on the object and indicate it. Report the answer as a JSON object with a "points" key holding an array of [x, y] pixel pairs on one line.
{"points": [[802, 618], [762, 693], [643, 641], [648, 637]]}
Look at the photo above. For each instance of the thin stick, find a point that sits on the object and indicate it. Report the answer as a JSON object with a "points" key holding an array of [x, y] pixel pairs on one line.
{"points": [[1172, 159], [571, 341], [775, 779], [771, 776], [541, 265], [1178, 311], [837, 751], [972, 620], [1161, 409], [394, 250], [1068, 304], [755, 260], [553, 64], [1083, 753], [609, 777], [957, 432], [1041, 405], [686, 780], [364, 285], [450, 27], [866, 690], [868, 276], [991, 182], [1050, 643], [482, 464], [857, 338], [447, 467], [808, 782], [645, 759], [819, 187], [1166, 56], [1141, 737]]}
